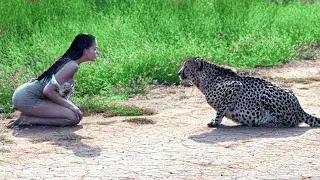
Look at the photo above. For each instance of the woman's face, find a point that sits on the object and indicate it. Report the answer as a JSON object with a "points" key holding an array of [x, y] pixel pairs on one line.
{"points": [[92, 52]]}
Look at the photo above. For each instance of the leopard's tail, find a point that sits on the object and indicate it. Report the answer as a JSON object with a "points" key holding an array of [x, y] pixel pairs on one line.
{"points": [[311, 120]]}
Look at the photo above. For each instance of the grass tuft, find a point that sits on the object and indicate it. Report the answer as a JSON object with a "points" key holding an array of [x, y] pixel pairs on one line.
{"points": [[139, 121], [90, 106]]}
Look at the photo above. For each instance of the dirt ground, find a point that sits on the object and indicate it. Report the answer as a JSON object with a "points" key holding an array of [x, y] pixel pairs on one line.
{"points": [[178, 145]]}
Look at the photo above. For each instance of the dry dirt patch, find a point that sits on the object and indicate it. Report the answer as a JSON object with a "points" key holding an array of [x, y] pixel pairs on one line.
{"points": [[176, 144]]}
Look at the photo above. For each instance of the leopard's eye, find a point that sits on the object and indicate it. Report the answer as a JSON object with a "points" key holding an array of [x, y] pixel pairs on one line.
{"points": [[186, 72]]}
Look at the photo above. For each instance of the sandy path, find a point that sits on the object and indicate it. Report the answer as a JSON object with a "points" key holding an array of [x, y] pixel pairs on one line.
{"points": [[178, 146]]}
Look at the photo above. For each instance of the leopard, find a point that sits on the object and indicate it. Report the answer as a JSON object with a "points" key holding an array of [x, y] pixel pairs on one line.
{"points": [[245, 99]]}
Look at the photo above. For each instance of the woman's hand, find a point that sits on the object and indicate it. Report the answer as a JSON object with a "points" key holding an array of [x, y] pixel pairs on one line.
{"points": [[77, 112]]}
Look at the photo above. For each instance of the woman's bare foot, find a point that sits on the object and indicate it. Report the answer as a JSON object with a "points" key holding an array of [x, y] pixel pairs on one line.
{"points": [[13, 123]]}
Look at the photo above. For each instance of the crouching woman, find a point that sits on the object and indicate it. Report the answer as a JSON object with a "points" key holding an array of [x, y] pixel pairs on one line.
{"points": [[45, 100]]}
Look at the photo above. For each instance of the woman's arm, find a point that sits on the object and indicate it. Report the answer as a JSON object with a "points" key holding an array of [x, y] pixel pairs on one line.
{"points": [[50, 91], [63, 75]]}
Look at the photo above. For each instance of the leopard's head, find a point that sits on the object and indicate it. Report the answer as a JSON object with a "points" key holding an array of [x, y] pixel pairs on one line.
{"points": [[190, 70]]}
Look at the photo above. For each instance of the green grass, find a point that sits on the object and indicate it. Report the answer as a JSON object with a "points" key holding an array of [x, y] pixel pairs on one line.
{"points": [[139, 121], [146, 40], [96, 105]]}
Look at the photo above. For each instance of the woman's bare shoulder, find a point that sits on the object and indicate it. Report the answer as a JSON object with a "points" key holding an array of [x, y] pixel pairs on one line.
{"points": [[72, 65], [67, 72]]}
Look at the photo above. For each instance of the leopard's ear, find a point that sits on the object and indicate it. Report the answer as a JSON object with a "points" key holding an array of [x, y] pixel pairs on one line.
{"points": [[200, 64]]}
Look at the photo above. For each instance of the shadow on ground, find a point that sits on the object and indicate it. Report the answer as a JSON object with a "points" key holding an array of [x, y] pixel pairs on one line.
{"points": [[239, 133], [60, 136]]}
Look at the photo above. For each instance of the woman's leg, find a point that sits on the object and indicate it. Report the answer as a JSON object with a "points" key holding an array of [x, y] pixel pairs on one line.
{"points": [[46, 113]]}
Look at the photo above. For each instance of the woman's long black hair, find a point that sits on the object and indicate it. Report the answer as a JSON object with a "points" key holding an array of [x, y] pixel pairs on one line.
{"points": [[75, 51]]}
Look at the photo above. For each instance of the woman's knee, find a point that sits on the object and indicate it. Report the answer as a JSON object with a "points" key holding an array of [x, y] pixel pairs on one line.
{"points": [[73, 122], [72, 119]]}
